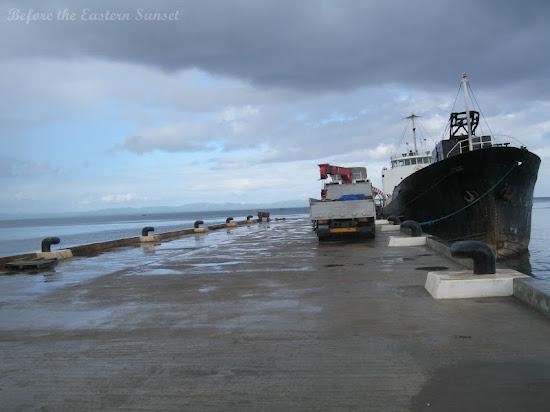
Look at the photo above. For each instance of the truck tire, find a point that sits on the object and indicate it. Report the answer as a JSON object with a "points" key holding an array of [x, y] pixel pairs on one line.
{"points": [[367, 231], [323, 232]]}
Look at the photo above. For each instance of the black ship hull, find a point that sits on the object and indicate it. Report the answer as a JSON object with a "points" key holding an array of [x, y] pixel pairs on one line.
{"points": [[485, 195]]}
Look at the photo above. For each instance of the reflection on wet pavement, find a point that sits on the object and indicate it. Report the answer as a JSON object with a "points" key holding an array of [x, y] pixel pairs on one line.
{"points": [[222, 248], [216, 253]]}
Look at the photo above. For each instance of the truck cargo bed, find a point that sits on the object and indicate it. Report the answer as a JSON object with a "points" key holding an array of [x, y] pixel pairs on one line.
{"points": [[350, 209]]}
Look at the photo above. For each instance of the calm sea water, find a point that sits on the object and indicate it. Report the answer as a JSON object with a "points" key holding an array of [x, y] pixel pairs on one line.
{"points": [[25, 235], [539, 250]]}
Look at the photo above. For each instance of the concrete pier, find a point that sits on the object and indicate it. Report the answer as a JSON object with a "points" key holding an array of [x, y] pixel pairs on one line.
{"points": [[264, 317]]}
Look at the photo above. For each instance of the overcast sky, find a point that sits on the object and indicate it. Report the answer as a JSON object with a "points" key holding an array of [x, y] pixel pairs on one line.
{"points": [[237, 101]]}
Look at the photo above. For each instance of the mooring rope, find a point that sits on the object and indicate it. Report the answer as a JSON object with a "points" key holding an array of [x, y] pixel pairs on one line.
{"points": [[431, 222]]}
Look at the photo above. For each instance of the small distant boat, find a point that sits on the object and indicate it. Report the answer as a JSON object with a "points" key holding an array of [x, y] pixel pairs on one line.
{"points": [[471, 187]]}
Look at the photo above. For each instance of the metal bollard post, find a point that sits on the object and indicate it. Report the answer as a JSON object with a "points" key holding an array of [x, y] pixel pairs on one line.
{"points": [[482, 255], [48, 242], [145, 231], [416, 229], [395, 220]]}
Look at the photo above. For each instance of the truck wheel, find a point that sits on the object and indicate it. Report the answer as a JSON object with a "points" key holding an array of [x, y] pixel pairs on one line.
{"points": [[367, 231], [323, 232]]}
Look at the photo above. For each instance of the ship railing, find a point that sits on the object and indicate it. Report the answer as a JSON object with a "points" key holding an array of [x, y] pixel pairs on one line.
{"points": [[478, 142]]}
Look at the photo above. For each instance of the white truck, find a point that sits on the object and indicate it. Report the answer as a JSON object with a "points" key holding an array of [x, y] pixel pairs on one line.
{"points": [[346, 207]]}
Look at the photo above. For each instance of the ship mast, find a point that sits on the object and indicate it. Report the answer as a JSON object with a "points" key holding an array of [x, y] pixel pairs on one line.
{"points": [[467, 100], [412, 117]]}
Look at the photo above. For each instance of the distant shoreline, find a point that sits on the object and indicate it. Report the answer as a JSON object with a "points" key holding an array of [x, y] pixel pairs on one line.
{"points": [[156, 210]]}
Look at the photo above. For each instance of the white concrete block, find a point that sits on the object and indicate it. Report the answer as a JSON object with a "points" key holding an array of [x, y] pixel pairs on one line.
{"points": [[396, 241], [390, 228], [200, 229], [149, 238], [381, 222], [231, 224], [56, 254], [464, 284]]}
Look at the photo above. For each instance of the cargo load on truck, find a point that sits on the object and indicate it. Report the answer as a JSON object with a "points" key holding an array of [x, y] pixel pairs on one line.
{"points": [[346, 207]]}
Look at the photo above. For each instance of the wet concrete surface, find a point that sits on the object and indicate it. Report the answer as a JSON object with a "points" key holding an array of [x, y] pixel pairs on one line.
{"points": [[263, 317]]}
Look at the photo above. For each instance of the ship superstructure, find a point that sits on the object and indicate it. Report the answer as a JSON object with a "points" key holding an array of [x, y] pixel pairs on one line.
{"points": [[404, 164]]}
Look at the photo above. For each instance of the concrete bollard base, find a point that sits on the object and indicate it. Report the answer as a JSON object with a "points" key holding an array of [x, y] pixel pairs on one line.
{"points": [[396, 241], [231, 224], [200, 229], [56, 254], [149, 239], [381, 222], [389, 228], [464, 284]]}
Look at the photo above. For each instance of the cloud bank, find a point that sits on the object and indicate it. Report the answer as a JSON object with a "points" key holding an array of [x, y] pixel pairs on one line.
{"points": [[238, 100]]}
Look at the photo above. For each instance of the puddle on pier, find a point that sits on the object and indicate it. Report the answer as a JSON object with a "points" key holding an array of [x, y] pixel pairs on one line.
{"points": [[217, 252], [155, 272], [207, 289]]}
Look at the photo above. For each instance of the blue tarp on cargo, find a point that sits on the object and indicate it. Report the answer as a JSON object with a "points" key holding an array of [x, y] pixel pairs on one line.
{"points": [[352, 197]]}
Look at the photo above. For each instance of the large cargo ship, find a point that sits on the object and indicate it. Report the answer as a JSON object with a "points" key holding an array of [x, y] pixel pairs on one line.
{"points": [[471, 188]]}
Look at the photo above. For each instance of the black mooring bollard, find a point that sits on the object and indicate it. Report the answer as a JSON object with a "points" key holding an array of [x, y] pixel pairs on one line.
{"points": [[395, 220], [48, 242], [416, 229], [198, 223], [249, 217], [145, 231], [228, 220], [481, 253]]}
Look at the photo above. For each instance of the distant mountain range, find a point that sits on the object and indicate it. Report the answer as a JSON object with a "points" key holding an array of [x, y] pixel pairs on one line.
{"points": [[203, 207], [190, 207]]}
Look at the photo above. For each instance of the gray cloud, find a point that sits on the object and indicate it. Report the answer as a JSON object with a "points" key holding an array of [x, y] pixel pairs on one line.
{"points": [[311, 45], [20, 168], [174, 137]]}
